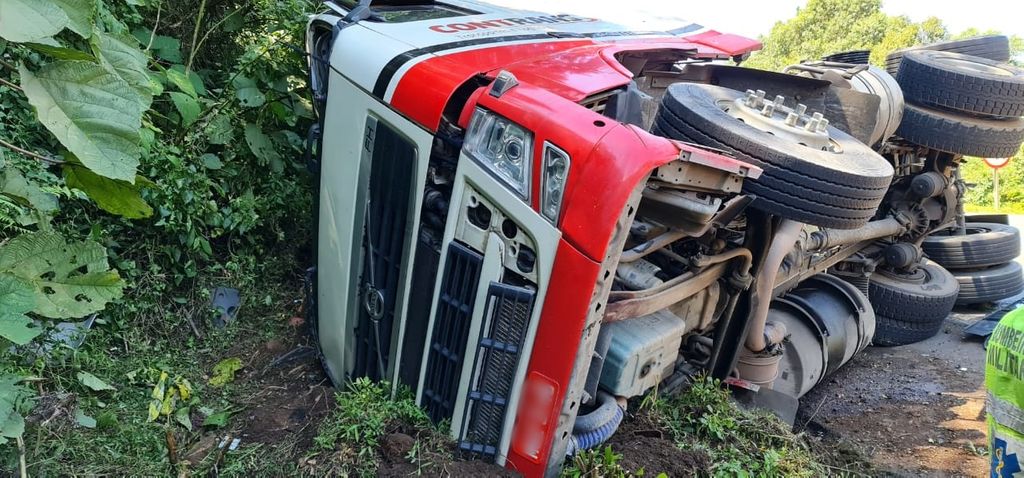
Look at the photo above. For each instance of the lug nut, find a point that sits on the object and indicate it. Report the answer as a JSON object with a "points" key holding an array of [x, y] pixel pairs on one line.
{"points": [[817, 116], [801, 109], [791, 119], [779, 100], [822, 125], [811, 125], [769, 109], [751, 98]]}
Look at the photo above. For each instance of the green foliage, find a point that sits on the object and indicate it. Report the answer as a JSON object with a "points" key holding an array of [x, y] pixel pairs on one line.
{"points": [[17, 298], [978, 177], [67, 279], [600, 463], [94, 113], [15, 401], [365, 413], [829, 26], [31, 20], [739, 442]]}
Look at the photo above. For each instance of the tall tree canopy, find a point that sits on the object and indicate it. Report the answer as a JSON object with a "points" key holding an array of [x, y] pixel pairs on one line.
{"points": [[828, 26]]}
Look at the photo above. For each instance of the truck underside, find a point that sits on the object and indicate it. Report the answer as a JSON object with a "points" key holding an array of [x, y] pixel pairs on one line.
{"points": [[528, 236]]}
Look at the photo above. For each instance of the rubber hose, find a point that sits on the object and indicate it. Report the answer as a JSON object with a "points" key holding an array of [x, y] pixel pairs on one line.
{"points": [[590, 439], [606, 409]]}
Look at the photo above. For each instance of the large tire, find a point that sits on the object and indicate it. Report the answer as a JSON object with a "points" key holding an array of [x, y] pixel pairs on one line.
{"points": [[892, 333], [828, 189], [911, 308], [990, 285], [854, 57], [984, 245], [964, 83], [993, 47], [986, 138]]}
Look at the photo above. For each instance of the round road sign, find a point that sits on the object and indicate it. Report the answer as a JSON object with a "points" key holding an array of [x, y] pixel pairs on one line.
{"points": [[996, 163]]}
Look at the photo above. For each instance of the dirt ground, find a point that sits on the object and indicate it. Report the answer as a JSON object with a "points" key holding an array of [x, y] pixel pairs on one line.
{"points": [[916, 410]]}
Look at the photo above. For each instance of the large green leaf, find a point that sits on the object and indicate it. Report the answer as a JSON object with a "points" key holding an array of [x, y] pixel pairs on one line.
{"points": [[95, 383], [122, 56], [15, 399], [17, 297], [94, 113], [179, 79], [262, 147], [219, 130], [60, 52], [193, 78], [14, 184], [81, 14], [248, 92], [30, 20], [111, 195], [70, 280], [187, 106]]}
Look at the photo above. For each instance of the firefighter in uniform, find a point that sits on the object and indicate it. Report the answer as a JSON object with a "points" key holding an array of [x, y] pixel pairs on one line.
{"points": [[1004, 381]]}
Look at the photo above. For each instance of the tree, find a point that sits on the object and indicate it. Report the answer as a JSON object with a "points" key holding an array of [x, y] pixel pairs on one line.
{"points": [[829, 26]]}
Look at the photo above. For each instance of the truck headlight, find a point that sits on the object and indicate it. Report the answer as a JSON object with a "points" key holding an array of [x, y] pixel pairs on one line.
{"points": [[556, 170], [503, 147]]}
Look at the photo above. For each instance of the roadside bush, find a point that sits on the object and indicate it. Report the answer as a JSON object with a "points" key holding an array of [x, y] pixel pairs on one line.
{"points": [[200, 187]]}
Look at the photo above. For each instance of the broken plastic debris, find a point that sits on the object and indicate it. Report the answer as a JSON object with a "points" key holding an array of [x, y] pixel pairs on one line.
{"points": [[226, 300]]}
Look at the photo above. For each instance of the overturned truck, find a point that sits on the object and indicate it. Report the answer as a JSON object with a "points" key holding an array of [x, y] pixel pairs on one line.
{"points": [[527, 219]]}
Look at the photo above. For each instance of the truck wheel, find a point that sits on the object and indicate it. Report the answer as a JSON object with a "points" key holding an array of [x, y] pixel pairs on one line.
{"points": [[891, 332], [989, 285], [962, 83], [986, 138], [993, 47], [911, 308], [925, 296], [984, 245], [840, 186]]}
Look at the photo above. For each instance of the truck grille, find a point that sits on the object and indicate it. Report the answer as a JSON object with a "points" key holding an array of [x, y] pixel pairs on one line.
{"points": [[391, 175], [495, 369], [451, 329]]}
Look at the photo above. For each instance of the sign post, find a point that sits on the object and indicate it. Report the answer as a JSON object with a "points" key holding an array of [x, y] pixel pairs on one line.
{"points": [[996, 164]]}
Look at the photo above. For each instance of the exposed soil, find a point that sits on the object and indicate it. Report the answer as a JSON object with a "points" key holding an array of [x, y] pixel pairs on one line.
{"points": [[292, 396], [916, 410], [643, 445]]}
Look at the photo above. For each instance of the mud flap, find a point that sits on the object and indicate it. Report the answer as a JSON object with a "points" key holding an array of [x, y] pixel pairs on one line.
{"points": [[752, 396]]}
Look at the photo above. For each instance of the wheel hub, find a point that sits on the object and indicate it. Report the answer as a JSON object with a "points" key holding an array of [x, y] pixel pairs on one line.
{"points": [[775, 118]]}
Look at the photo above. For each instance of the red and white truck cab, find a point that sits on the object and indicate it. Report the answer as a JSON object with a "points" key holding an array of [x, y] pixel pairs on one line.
{"points": [[500, 231]]}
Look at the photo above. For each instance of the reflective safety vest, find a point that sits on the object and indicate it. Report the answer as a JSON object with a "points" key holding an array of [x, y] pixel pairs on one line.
{"points": [[1004, 380]]}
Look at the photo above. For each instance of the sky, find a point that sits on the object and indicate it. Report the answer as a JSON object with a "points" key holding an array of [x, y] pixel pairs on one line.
{"points": [[752, 18]]}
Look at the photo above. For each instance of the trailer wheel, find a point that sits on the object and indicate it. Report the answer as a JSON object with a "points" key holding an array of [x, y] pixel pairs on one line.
{"points": [[990, 285], [964, 83], [927, 295], [892, 332], [837, 182], [993, 47], [984, 245], [986, 138]]}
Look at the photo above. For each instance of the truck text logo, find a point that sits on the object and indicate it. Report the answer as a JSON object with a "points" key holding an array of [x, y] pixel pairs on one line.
{"points": [[509, 22]]}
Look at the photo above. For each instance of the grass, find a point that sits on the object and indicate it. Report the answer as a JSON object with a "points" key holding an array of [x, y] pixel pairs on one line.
{"points": [[350, 439], [128, 348], [739, 442]]}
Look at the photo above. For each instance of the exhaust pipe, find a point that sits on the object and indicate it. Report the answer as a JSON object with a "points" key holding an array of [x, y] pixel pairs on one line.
{"points": [[761, 334]]}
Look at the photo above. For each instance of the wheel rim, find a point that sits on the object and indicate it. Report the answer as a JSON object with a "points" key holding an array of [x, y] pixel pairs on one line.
{"points": [[968, 231], [977, 67], [777, 119]]}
